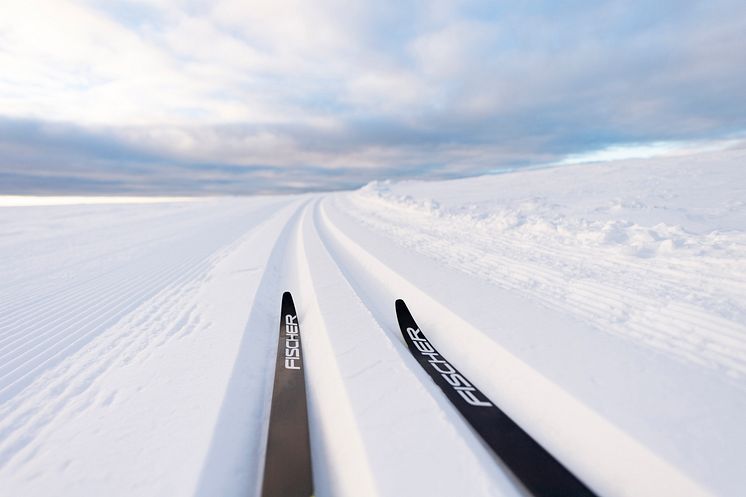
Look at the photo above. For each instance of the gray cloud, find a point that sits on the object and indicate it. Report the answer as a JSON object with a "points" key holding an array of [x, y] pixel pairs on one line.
{"points": [[331, 97]]}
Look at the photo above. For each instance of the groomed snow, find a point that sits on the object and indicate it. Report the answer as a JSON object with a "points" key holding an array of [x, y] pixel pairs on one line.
{"points": [[602, 306]]}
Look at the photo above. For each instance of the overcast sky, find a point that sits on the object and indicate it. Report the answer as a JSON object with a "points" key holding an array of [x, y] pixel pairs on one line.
{"points": [[261, 96]]}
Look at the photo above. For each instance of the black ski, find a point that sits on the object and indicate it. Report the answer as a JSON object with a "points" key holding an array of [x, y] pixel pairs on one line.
{"points": [[287, 467], [536, 468]]}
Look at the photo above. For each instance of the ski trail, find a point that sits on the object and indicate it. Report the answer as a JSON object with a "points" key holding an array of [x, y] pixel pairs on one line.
{"points": [[354, 362], [234, 461], [121, 371], [569, 432], [340, 464]]}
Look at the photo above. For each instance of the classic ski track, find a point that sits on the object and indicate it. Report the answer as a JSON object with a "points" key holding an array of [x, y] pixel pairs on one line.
{"points": [[329, 451], [399, 395], [169, 314], [319, 348], [236, 440], [583, 460], [712, 342]]}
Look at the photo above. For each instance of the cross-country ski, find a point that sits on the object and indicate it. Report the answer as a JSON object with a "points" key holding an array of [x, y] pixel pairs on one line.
{"points": [[287, 464], [533, 466]]}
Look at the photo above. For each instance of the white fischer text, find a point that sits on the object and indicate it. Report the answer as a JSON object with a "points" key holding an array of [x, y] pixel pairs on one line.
{"points": [[292, 343], [460, 384]]}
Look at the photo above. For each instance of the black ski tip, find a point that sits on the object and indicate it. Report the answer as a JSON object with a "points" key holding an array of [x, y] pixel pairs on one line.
{"points": [[403, 316], [401, 308], [287, 301]]}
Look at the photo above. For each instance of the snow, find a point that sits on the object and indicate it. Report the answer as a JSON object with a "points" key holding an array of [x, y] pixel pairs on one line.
{"points": [[32, 200], [602, 306]]}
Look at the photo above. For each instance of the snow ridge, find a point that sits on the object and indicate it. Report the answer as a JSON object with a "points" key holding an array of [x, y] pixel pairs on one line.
{"points": [[663, 287]]}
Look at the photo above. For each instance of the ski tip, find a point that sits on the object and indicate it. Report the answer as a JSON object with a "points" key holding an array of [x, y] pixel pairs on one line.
{"points": [[401, 308], [287, 298]]}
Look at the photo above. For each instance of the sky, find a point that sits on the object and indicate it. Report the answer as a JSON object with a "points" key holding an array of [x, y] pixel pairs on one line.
{"points": [[242, 96]]}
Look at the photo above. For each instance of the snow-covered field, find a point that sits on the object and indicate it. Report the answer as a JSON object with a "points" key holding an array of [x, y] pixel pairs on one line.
{"points": [[602, 306]]}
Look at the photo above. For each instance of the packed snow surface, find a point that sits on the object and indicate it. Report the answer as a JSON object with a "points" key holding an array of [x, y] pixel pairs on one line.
{"points": [[602, 306]]}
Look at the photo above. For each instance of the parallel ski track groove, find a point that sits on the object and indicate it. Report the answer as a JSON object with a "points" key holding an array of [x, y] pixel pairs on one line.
{"points": [[572, 409], [322, 347], [389, 333]]}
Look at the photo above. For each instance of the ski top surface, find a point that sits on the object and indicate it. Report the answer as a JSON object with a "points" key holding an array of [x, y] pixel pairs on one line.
{"points": [[538, 471], [287, 467]]}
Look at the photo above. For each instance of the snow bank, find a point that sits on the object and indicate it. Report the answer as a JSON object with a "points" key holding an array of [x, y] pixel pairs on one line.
{"points": [[648, 237]]}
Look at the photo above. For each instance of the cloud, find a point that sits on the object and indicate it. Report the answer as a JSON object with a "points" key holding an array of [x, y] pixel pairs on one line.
{"points": [[245, 96]]}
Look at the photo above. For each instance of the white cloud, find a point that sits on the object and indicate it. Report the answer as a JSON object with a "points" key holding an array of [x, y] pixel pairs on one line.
{"points": [[72, 62], [332, 85]]}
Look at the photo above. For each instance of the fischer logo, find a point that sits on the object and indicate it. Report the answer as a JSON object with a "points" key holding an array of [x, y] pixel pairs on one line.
{"points": [[292, 343], [448, 372]]}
